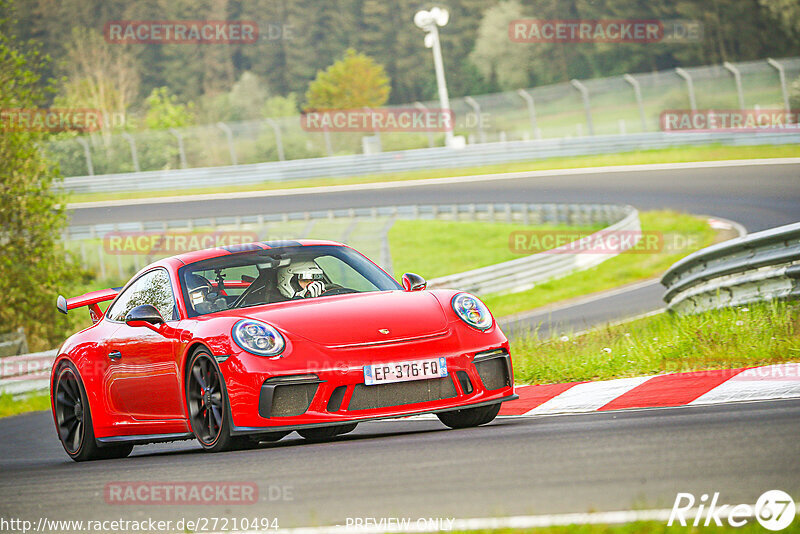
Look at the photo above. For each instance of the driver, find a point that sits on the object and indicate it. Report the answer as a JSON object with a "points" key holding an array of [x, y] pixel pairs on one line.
{"points": [[202, 295], [301, 279]]}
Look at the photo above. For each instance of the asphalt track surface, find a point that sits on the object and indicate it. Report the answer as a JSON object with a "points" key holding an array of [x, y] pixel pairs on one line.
{"points": [[417, 468], [601, 461]]}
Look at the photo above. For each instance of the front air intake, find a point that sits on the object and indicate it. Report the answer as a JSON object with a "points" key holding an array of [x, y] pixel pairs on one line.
{"points": [[401, 393]]}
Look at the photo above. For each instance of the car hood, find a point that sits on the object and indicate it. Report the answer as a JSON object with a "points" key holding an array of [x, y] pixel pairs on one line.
{"points": [[356, 319]]}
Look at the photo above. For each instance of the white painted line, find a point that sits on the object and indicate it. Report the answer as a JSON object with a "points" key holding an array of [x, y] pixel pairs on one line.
{"points": [[589, 396], [434, 181]]}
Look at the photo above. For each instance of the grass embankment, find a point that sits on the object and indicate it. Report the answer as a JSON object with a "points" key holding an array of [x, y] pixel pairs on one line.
{"points": [[438, 248], [667, 155], [29, 403], [731, 338]]}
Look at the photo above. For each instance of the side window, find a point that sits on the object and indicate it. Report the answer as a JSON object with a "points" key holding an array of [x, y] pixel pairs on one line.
{"points": [[152, 288]]}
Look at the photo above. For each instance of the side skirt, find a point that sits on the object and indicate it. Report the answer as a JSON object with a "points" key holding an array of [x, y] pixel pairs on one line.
{"points": [[142, 439]]}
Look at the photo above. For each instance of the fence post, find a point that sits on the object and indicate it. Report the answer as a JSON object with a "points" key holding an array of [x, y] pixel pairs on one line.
{"points": [[229, 135], [586, 104], [420, 106], [181, 151], [528, 98], [689, 85], [327, 135], [782, 74], [134, 155], [386, 253], [278, 138], [477, 109], [376, 131], [87, 154], [737, 76], [637, 91]]}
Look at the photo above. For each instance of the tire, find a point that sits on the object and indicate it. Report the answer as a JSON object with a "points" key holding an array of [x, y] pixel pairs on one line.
{"points": [[326, 433], [74, 420], [469, 417], [207, 404]]}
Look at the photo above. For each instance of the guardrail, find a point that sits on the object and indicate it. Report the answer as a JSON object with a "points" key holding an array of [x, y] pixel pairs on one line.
{"points": [[409, 160], [757, 267], [26, 373]]}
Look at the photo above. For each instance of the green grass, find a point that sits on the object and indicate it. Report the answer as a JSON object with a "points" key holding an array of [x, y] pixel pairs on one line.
{"points": [[30, 403], [669, 155], [731, 338], [620, 270], [438, 248]]}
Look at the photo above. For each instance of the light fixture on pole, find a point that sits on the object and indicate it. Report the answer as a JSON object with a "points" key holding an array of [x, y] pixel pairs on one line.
{"points": [[430, 21]]}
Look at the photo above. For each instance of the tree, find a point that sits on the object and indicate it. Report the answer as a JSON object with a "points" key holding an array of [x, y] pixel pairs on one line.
{"points": [[787, 11], [164, 111], [32, 262], [100, 75], [355, 81], [495, 55], [281, 106]]}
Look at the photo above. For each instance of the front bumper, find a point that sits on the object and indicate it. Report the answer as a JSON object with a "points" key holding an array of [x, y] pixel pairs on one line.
{"points": [[331, 392]]}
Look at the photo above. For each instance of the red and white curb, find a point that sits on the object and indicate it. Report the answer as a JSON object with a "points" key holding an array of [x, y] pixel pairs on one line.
{"points": [[781, 381]]}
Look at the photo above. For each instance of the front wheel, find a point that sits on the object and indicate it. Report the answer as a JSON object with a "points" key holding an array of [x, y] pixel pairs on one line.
{"points": [[74, 420], [469, 417], [207, 401]]}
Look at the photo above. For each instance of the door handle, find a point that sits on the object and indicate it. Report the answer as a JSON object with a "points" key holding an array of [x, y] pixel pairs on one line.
{"points": [[115, 355]]}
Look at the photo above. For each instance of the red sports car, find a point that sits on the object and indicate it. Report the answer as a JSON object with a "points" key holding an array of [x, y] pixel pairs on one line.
{"points": [[241, 344]]}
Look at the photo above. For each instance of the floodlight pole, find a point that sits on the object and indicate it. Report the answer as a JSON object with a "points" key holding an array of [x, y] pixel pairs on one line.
{"points": [[429, 21]]}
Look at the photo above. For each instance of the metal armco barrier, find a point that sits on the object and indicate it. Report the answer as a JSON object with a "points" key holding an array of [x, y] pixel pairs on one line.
{"points": [[758, 267], [26, 373], [408, 160]]}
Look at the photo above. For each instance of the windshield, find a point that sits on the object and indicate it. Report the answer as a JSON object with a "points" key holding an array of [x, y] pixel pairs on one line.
{"points": [[278, 275]]}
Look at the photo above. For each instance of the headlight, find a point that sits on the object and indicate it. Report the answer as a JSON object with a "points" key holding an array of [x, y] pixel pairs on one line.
{"points": [[472, 311], [258, 338]]}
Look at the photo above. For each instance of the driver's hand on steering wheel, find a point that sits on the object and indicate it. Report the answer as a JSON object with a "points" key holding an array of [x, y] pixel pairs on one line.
{"points": [[314, 289]]}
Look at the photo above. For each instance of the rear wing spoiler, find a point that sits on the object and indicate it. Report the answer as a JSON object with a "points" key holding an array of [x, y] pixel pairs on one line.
{"points": [[89, 299]]}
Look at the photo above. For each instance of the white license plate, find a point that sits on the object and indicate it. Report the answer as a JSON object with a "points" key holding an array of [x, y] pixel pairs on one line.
{"points": [[385, 373]]}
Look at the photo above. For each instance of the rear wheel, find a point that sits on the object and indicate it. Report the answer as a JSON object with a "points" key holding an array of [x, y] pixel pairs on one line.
{"points": [[326, 432], [74, 420], [207, 401], [469, 416]]}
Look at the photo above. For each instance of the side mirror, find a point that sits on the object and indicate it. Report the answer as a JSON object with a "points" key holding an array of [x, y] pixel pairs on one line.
{"points": [[144, 315], [414, 282]]}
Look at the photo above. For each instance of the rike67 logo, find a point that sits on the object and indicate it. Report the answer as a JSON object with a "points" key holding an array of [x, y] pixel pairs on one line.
{"points": [[774, 510]]}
